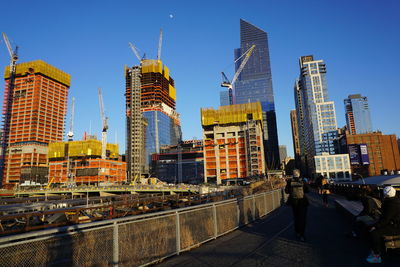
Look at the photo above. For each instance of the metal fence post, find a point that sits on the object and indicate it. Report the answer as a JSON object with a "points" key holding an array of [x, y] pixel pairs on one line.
{"points": [[265, 203], [273, 200], [178, 234], [254, 208], [215, 221], [115, 245]]}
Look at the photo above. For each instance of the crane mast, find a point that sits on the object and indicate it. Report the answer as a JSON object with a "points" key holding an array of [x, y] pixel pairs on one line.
{"points": [[71, 121], [8, 105], [159, 46], [229, 84], [104, 126]]}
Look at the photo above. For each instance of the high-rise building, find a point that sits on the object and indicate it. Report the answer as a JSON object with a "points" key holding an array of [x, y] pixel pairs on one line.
{"points": [[36, 110], [358, 117], [224, 98], [255, 84], [315, 112], [282, 152], [295, 138], [233, 145], [157, 105]]}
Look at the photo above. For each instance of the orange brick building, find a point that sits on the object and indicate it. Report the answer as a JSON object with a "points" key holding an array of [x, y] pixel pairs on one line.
{"points": [[233, 146], [36, 110], [383, 151]]}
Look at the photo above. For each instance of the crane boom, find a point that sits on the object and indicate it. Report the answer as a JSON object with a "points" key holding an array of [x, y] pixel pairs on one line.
{"points": [[248, 54], [159, 46], [71, 121], [135, 51], [10, 51]]}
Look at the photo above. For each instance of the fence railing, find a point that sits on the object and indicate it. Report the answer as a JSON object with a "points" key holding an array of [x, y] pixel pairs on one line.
{"points": [[136, 240]]}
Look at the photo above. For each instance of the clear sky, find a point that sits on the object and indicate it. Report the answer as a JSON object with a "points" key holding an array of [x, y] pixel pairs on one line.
{"points": [[359, 41]]}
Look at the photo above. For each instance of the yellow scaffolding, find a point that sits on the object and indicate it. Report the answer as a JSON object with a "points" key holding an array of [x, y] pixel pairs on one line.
{"points": [[39, 66], [81, 149], [231, 114]]}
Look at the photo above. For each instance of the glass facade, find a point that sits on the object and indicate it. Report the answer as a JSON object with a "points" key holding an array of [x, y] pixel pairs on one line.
{"points": [[161, 130], [358, 117], [224, 98], [254, 84]]}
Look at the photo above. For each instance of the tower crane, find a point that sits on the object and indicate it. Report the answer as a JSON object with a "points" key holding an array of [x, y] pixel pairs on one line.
{"points": [[135, 51], [229, 84], [71, 122], [159, 46], [105, 126], [9, 96]]}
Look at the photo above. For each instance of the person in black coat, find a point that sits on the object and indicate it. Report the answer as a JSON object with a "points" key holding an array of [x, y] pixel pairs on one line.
{"points": [[388, 224], [297, 189]]}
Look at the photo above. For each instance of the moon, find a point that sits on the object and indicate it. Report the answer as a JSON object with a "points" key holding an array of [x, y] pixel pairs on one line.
{"points": [[171, 16]]}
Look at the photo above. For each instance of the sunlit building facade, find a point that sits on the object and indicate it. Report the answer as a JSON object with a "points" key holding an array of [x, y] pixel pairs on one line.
{"points": [[358, 117]]}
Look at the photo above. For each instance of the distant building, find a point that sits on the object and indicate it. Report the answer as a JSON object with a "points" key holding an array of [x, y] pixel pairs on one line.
{"points": [[335, 167], [382, 150], [233, 144], [282, 152], [157, 103], [254, 84], [183, 163], [358, 117], [295, 138], [34, 115], [81, 162], [315, 113]]}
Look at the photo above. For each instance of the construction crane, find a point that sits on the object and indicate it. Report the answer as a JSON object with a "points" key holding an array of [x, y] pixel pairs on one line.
{"points": [[229, 84], [105, 126], [159, 46], [135, 51], [71, 122], [8, 105]]}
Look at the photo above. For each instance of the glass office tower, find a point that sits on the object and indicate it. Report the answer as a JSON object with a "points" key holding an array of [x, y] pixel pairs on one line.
{"points": [[255, 84], [358, 117]]}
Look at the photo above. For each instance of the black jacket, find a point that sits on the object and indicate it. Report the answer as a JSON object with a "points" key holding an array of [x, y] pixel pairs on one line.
{"points": [[371, 207], [291, 201], [390, 213]]}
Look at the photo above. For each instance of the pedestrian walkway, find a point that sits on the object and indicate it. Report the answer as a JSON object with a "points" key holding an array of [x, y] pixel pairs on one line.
{"points": [[272, 242]]}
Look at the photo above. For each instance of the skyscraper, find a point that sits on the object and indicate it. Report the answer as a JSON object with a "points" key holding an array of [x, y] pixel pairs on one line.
{"points": [[157, 104], [36, 113], [295, 137], [316, 114], [255, 84], [358, 117], [282, 152]]}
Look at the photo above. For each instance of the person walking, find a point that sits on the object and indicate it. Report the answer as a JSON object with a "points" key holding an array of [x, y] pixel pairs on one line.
{"points": [[325, 191], [388, 224], [297, 189]]}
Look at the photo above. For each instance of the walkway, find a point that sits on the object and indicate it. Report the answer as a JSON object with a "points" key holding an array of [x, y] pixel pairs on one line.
{"points": [[272, 242]]}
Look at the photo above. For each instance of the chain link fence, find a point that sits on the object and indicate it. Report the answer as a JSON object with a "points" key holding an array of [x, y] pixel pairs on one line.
{"points": [[137, 240]]}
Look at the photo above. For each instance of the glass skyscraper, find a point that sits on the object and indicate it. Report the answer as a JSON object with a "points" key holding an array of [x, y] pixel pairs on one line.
{"points": [[254, 84], [358, 117]]}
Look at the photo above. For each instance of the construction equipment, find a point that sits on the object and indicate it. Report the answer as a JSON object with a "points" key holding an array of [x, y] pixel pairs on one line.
{"points": [[135, 51], [229, 84], [71, 122], [159, 46], [50, 183], [7, 105], [104, 128]]}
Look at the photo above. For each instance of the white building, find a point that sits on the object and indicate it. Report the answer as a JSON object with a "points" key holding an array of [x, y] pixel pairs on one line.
{"points": [[335, 167]]}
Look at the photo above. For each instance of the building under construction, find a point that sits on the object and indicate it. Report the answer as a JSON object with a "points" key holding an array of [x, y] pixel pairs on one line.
{"points": [[34, 109], [233, 146], [150, 94], [81, 162]]}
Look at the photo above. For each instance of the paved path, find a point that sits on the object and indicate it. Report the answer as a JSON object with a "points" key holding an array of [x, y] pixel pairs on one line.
{"points": [[271, 242]]}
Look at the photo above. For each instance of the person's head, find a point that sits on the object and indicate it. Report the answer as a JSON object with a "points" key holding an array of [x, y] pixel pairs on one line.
{"points": [[296, 173], [389, 191]]}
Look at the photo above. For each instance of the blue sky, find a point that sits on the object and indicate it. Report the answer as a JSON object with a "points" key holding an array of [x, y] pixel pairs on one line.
{"points": [[358, 39]]}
